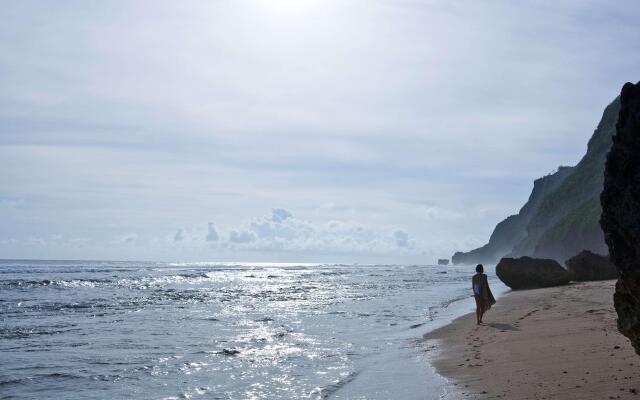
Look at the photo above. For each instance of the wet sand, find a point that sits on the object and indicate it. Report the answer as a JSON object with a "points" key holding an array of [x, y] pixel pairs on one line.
{"points": [[554, 343]]}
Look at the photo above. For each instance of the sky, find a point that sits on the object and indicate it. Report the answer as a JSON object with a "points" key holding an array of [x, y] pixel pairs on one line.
{"points": [[368, 131]]}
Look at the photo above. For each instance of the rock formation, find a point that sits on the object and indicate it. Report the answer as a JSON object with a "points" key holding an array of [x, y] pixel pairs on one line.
{"points": [[531, 273], [513, 229], [567, 220], [561, 216], [588, 266], [621, 212], [443, 261]]}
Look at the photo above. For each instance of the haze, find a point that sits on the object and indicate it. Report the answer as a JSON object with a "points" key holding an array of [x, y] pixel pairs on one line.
{"points": [[317, 131]]}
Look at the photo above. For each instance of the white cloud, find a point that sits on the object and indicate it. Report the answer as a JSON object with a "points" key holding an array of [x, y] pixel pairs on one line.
{"points": [[9, 241], [212, 233], [179, 236], [243, 236], [280, 214], [402, 238], [281, 231], [36, 241]]}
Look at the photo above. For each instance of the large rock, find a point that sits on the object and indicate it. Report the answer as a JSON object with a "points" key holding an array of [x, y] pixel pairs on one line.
{"points": [[620, 219], [588, 266], [531, 273]]}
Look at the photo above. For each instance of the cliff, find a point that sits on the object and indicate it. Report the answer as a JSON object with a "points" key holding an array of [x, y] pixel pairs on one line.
{"points": [[561, 217], [621, 212], [513, 229]]}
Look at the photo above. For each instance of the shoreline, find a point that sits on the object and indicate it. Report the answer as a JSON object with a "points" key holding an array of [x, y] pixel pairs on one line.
{"points": [[559, 342]]}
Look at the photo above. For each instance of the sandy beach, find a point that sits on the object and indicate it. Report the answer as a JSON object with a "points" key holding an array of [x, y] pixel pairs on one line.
{"points": [[554, 343]]}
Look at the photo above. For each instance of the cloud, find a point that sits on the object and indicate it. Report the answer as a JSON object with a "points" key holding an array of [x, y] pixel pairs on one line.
{"points": [[129, 239], [402, 238], [281, 225], [281, 231], [456, 115], [241, 236], [212, 234], [36, 241], [179, 236], [280, 214], [9, 241], [55, 240]]}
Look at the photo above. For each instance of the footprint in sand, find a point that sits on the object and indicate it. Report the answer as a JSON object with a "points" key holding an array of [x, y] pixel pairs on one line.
{"points": [[528, 314]]}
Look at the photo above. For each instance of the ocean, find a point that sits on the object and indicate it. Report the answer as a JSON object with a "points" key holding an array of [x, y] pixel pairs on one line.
{"points": [[152, 330]]}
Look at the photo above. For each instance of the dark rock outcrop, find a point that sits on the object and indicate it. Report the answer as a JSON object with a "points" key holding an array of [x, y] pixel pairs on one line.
{"points": [[621, 212], [443, 261], [561, 216], [588, 266], [531, 273]]}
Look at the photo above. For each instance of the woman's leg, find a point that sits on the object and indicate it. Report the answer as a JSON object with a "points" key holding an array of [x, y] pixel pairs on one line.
{"points": [[478, 309]]}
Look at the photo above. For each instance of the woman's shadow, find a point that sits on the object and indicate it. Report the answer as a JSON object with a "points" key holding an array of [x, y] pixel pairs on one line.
{"points": [[502, 327]]}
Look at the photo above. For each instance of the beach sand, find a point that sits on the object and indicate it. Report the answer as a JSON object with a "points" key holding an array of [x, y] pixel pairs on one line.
{"points": [[554, 343]]}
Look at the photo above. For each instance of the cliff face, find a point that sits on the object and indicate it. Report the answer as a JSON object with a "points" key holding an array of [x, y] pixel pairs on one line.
{"points": [[560, 219], [567, 220], [513, 230], [621, 212]]}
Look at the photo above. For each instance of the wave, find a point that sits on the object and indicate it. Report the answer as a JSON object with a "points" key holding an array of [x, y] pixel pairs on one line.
{"points": [[131, 282], [447, 303], [27, 284], [330, 390], [39, 377], [26, 332]]}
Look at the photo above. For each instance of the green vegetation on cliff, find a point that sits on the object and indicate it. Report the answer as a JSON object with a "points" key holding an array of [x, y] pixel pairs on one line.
{"points": [[513, 230], [561, 217]]}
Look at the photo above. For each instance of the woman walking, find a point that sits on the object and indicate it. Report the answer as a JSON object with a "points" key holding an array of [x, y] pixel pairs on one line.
{"points": [[482, 293]]}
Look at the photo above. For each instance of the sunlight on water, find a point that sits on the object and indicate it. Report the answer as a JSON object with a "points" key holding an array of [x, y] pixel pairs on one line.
{"points": [[212, 330]]}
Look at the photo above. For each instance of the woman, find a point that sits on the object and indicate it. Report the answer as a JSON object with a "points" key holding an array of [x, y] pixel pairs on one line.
{"points": [[482, 293]]}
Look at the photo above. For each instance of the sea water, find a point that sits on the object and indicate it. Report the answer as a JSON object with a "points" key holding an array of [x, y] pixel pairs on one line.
{"points": [[146, 330]]}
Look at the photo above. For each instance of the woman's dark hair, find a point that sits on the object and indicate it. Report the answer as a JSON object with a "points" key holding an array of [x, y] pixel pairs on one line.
{"points": [[479, 268]]}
